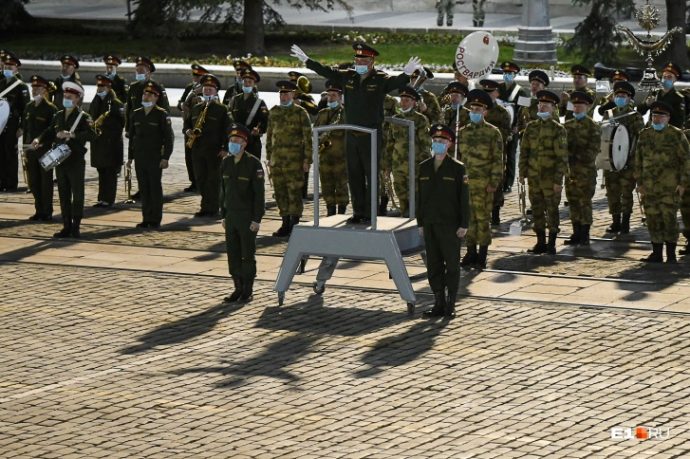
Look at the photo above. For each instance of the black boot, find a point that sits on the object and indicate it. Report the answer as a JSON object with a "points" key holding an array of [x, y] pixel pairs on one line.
{"points": [[439, 305], [235, 295], [342, 208], [615, 225], [551, 246], [66, 228], [294, 220], [540, 246], [449, 311], [383, 206], [330, 210], [247, 290], [584, 234], [481, 259], [74, 231], [671, 253], [470, 258], [576, 237], [496, 216], [625, 224], [284, 230], [656, 255], [684, 250]]}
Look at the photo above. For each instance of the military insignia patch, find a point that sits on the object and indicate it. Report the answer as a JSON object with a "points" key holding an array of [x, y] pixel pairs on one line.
{"points": [[260, 173]]}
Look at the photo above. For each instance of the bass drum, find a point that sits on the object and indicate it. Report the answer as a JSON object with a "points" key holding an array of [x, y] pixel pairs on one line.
{"points": [[614, 148], [4, 114]]}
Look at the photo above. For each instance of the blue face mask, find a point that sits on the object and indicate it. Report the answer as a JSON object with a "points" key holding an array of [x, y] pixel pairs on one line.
{"points": [[475, 117], [361, 69], [544, 115], [658, 126], [579, 116], [333, 104], [620, 101], [102, 94], [247, 89], [209, 98], [146, 104], [668, 84], [112, 74], [67, 103], [438, 148], [140, 76], [286, 104], [234, 148], [508, 77], [8, 73]]}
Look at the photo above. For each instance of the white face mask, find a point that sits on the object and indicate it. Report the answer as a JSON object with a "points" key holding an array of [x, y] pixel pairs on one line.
{"points": [[102, 94], [37, 99], [146, 104]]}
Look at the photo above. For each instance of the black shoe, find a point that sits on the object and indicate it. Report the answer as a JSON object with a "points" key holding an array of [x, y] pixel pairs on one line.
{"points": [[439, 21], [330, 210], [143, 225], [199, 214], [671, 253], [355, 220], [46, 218], [439, 305], [540, 246], [449, 311], [284, 229], [366, 221], [625, 224], [154, 225], [66, 228], [342, 208], [247, 290], [237, 293], [190, 188], [615, 224], [470, 258], [656, 256], [551, 245], [35, 217], [575, 238]]}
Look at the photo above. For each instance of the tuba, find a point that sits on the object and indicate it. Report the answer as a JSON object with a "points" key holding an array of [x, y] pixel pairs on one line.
{"points": [[303, 96]]}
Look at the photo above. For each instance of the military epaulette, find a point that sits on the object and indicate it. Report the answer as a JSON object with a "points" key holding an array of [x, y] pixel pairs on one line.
{"points": [[138, 109], [158, 107]]}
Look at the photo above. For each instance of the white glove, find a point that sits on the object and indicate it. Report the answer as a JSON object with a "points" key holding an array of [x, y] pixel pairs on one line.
{"points": [[254, 227], [413, 64], [460, 233], [297, 52]]}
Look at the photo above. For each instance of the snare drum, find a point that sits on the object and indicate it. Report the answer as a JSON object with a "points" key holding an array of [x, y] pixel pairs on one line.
{"points": [[615, 148], [55, 157]]}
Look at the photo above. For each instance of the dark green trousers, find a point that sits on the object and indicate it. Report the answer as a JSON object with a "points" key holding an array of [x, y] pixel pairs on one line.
{"points": [[151, 190], [107, 183], [207, 178], [358, 155], [41, 184], [70, 179], [240, 245], [442, 256]]}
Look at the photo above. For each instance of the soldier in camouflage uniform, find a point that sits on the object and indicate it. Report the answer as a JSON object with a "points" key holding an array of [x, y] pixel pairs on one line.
{"points": [[428, 105], [538, 81], [445, 7], [668, 95], [332, 171], [509, 92], [621, 184], [662, 170], [498, 116], [288, 151], [584, 137], [685, 204], [607, 102], [482, 146], [455, 115], [396, 155], [544, 162], [478, 13], [580, 74], [390, 108]]}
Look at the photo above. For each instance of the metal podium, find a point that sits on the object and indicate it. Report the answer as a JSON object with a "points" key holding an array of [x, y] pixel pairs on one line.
{"points": [[386, 238]]}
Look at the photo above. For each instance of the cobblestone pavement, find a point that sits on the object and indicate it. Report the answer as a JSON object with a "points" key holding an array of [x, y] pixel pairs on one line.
{"points": [[105, 363]]}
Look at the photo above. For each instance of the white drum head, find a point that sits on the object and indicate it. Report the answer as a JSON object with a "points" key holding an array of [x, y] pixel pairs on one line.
{"points": [[620, 147], [476, 55], [4, 113]]}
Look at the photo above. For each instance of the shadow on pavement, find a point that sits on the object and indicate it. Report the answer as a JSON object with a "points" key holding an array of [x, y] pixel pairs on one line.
{"points": [[183, 329]]}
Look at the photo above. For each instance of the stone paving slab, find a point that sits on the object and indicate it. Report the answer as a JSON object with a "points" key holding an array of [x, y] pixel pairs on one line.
{"points": [[116, 363]]}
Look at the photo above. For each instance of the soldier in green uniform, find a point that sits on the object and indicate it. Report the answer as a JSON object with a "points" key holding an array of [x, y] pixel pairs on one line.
{"points": [[396, 155], [390, 108], [481, 145], [332, 171], [206, 130], [607, 102], [508, 93], [621, 184], [70, 174], [478, 13], [150, 146], [662, 170], [38, 115], [236, 87], [242, 206], [498, 116], [443, 218], [364, 89], [17, 98], [107, 148], [455, 115], [584, 137], [144, 67], [538, 81], [288, 151], [251, 111], [119, 85], [445, 7], [69, 66], [544, 162], [580, 74], [428, 105], [190, 97], [668, 95]]}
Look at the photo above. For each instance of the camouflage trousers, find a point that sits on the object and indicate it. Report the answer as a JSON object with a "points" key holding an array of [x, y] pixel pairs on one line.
{"points": [[619, 190], [544, 201], [287, 187], [333, 176], [445, 6], [579, 191], [402, 189], [481, 203], [478, 13], [661, 211]]}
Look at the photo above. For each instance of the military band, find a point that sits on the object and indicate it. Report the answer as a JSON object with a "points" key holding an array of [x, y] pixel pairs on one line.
{"points": [[190, 97], [248, 109]]}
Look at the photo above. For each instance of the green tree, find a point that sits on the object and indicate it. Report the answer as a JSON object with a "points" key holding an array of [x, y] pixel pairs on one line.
{"points": [[13, 15], [164, 17]]}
